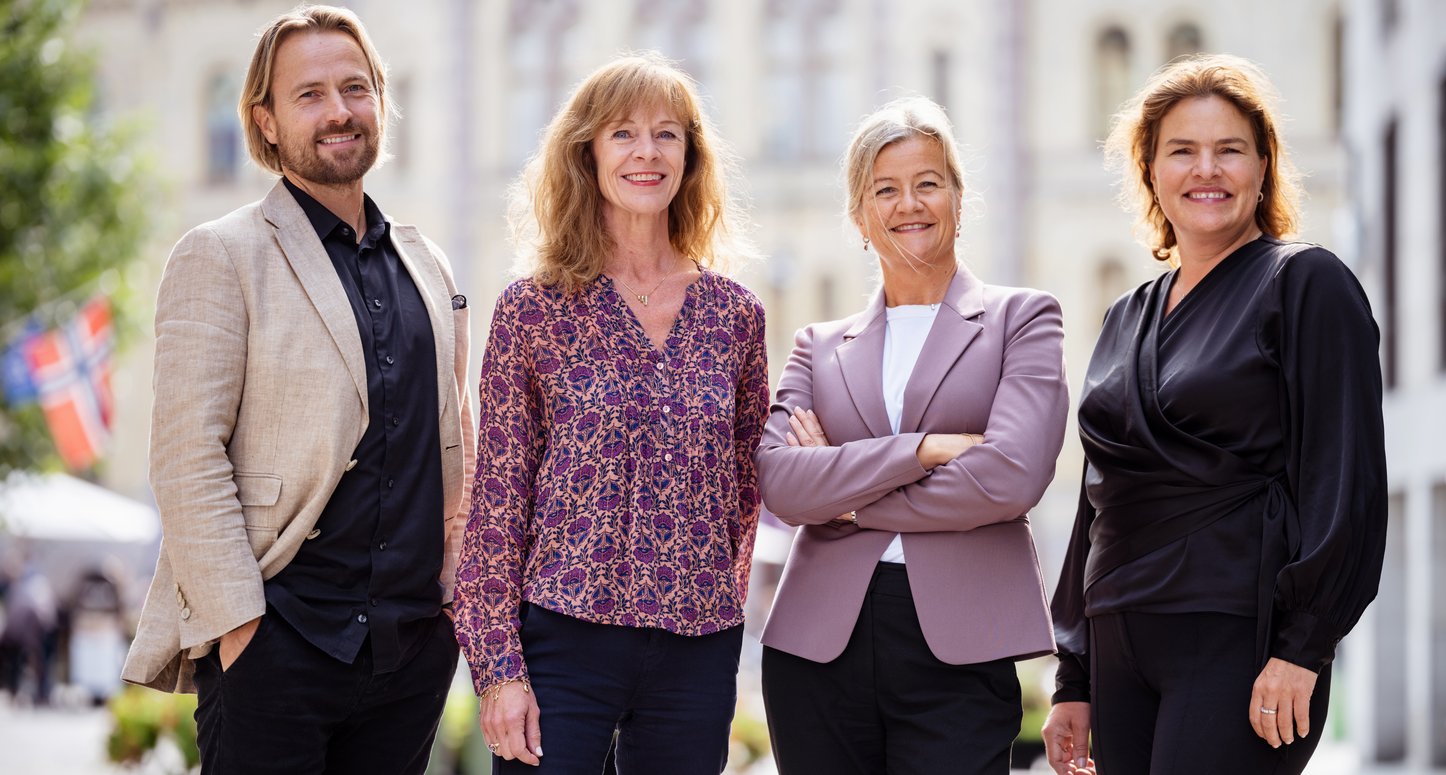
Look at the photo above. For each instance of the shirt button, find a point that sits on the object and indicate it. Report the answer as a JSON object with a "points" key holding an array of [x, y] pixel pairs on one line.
{"points": [[667, 409], [382, 547], [668, 456], [377, 303], [185, 613], [374, 603], [391, 483], [396, 421], [361, 618], [391, 360], [658, 365]]}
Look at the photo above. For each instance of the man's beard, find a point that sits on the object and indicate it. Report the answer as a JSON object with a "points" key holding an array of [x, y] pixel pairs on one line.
{"points": [[304, 160]]}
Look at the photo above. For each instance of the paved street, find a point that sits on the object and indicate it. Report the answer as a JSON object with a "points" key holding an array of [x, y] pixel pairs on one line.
{"points": [[51, 741], [71, 741]]}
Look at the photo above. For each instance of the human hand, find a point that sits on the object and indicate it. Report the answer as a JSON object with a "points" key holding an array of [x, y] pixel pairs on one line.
{"points": [[939, 448], [1280, 702], [1066, 736], [807, 431], [236, 641], [509, 722]]}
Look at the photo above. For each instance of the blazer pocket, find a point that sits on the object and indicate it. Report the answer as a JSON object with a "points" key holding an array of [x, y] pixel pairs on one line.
{"points": [[261, 539], [257, 489]]}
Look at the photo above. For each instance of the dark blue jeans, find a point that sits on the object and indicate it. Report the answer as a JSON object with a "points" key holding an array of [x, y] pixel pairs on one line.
{"points": [[669, 697]]}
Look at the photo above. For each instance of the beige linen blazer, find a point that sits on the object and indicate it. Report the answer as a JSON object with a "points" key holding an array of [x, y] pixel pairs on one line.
{"points": [[260, 399]]}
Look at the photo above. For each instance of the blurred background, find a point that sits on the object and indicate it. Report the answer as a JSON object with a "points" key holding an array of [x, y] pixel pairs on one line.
{"points": [[118, 133]]}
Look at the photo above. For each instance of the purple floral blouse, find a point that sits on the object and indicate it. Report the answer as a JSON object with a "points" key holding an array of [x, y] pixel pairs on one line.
{"points": [[615, 483]]}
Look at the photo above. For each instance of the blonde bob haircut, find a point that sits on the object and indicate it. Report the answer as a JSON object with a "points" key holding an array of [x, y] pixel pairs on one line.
{"points": [[1131, 144], [557, 205], [896, 121], [257, 89]]}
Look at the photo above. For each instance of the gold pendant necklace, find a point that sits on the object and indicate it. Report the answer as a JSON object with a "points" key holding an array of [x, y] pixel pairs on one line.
{"points": [[643, 297]]}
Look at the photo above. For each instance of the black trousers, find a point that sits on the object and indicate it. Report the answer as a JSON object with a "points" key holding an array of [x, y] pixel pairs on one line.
{"points": [[669, 698], [285, 706], [887, 704], [1171, 696]]}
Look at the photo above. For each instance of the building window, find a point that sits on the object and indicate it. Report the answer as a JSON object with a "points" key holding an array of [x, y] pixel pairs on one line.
{"points": [[1110, 282], [1441, 219], [1185, 39], [805, 47], [1390, 611], [1112, 77], [1338, 74], [1389, 242], [540, 33], [1437, 592], [1390, 14], [223, 129], [399, 131], [940, 67], [827, 297], [675, 30]]}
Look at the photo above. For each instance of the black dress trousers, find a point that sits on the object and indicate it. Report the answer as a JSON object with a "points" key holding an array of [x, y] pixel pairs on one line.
{"points": [[887, 704], [285, 707]]}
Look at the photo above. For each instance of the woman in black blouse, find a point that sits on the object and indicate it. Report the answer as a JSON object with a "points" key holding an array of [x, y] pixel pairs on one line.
{"points": [[1233, 512]]}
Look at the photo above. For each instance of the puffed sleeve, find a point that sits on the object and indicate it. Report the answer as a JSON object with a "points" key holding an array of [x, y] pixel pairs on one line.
{"points": [[749, 413], [1071, 627], [509, 450], [1326, 341]]}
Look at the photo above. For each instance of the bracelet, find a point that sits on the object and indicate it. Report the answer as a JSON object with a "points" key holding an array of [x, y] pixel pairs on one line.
{"points": [[497, 688]]}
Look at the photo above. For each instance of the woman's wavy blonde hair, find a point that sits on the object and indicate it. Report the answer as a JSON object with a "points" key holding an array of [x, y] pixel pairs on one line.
{"points": [[556, 209], [1132, 140]]}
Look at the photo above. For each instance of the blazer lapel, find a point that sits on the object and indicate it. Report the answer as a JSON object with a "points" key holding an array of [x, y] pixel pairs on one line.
{"points": [[428, 279], [953, 330], [861, 359], [313, 268]]}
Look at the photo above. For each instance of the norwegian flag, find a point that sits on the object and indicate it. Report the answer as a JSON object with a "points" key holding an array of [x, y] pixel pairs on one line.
{"points": [[70, 368]]}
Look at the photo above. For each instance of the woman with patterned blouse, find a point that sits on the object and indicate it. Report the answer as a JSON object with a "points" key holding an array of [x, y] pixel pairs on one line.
{"points": [[623, 392]]}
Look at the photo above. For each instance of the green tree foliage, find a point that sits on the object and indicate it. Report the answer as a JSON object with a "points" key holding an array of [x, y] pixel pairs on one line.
{"points": [[71, 196]]}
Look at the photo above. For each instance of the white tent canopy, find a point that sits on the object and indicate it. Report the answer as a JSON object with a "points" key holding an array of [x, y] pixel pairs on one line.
{"points": [[58, 507]]}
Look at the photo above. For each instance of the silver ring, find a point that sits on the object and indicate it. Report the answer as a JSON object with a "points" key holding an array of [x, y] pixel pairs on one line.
{"points": [[1267, 711]]}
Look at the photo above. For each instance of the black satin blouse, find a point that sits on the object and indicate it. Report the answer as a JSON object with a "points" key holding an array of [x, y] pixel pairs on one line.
{"points": [[1235, 458]]}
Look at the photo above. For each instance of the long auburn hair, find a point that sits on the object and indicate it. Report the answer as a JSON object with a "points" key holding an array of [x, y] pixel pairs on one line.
{"points": [[1132, 140]]}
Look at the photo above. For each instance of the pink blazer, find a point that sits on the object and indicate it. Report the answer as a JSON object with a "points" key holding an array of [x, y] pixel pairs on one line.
{"points": [[993, 363]]}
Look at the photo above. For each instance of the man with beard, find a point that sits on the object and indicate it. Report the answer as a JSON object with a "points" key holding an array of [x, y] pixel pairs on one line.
{"points": [[311, 442]]}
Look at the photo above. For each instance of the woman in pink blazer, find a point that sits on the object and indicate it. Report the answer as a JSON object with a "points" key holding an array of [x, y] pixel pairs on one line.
{"points": [[908, 442]]}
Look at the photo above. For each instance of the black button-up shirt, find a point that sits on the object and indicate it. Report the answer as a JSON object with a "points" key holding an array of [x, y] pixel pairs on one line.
{"points": [[372, 567]]}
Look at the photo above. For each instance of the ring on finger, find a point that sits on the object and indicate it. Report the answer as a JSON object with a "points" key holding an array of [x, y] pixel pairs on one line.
{"points": [[1267, 711]]}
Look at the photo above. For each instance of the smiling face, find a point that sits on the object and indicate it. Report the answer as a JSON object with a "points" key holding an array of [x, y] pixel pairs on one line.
{"points": [[1207, 171], [324, 112], [910, 212], [640, 160]]}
